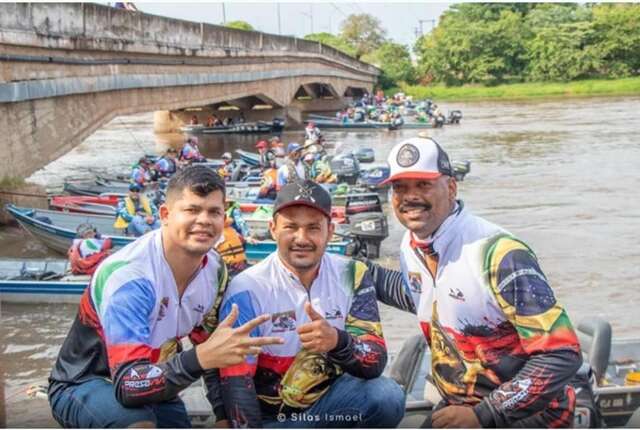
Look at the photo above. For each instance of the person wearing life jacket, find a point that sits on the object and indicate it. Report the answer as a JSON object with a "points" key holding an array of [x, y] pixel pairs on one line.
{"points": [[136, 214], [503, 350], [234, 235], [269, 181], [88, 250], [227, 167], [311, 132], [277, 146], [167, 165], [321, 171], [292, 169], [141, 173], [190, 153]]}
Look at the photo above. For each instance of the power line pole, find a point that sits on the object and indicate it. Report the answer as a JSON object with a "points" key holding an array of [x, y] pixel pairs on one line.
{"points": [[224, 15], [279, 25]]}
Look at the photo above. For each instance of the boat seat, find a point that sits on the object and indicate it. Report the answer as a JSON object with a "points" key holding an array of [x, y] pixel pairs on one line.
{"points": [[595, 343], [404, 369]]}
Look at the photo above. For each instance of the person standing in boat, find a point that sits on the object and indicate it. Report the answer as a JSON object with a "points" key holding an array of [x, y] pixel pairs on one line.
{"points": [[311, 132], [503, 349], [167, 165], [328, 371], [292, 170], [123, 363], [225, 171], [136, 214], [88, 250], [269, 181]]}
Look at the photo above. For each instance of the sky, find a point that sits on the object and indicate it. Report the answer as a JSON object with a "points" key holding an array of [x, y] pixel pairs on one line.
{"points": [[400, 20]]}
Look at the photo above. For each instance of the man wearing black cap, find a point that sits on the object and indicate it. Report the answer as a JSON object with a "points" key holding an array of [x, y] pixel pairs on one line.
{"points": [[327, 372]]}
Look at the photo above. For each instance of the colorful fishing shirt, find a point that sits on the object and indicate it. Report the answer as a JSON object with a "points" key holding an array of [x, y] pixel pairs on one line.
{"points": [[499, 339], [130, 322], [286, 378]]}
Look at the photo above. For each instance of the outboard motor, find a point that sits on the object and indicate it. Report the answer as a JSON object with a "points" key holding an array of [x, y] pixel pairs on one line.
{"points": [[277, 124], [346, 167], [460, 169], [362, 202], [454, 117], [370, 229], [365, 155]]}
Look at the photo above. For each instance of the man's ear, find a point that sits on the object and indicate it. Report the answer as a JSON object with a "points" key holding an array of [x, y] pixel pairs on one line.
{"points": [[453, 188], [163, 211], [272, 227], [332, 229]]}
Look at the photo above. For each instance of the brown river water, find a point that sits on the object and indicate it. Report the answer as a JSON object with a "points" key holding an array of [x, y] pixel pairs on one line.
{"points": [[561, 174]]}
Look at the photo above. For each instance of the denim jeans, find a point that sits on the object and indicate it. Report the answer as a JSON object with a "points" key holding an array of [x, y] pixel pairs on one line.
{"points": [[138, 226], [350, 402], [93, 404]]}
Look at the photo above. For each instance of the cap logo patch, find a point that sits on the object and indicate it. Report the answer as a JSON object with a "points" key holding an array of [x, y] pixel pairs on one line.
{"points": [[304, 193], [408, 155]]}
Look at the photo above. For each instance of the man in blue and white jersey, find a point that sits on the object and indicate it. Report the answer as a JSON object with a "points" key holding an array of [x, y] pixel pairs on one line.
{"points": [[123, 362]]}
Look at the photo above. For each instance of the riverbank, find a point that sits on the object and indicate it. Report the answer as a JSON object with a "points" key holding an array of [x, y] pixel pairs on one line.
{"points": [[585, 88]]}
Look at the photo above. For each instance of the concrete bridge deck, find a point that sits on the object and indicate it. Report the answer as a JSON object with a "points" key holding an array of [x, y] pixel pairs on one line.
{"points": [[68, 68]]}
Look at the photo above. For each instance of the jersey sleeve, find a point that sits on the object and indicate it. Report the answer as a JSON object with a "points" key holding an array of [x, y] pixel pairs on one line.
{"points": [[238, 388], [545, 334], [361, 349]]}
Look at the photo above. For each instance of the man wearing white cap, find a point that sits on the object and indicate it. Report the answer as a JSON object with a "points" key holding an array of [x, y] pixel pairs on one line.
{"points": [[503, 350]]}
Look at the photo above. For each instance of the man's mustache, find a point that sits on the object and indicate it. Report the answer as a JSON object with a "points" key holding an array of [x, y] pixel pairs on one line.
{"points": [[302, 248], [405, 207]]}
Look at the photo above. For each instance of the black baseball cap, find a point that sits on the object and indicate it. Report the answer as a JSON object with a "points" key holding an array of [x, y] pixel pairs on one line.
{"points": [[305, 193]]}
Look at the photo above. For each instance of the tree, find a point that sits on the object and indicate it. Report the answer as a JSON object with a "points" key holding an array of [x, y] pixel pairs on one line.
{"points": [[334, 41], [395, 61], [617, 38], [240, 25], [363, 31]]}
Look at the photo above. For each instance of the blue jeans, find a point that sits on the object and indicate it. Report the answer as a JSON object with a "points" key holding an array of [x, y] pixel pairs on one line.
{"points": [[350, 402], [93, 404], [138, 226]]}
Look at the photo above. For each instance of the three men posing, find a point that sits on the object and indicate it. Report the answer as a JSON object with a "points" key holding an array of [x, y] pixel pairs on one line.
{"points": [[503, 350]]}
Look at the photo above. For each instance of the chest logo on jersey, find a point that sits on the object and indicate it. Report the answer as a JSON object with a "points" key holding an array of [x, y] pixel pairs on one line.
{"points": [[164, 304], [283, 321], [415, 282], [457, 294], [199, 308], [333, 314]]}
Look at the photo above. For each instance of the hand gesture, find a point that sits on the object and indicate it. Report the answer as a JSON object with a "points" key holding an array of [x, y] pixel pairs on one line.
{"points": [[455, 417], [318, 335], [228, 346]]}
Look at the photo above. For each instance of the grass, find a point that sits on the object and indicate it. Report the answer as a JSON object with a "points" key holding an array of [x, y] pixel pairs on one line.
{"points": [[11, 182], [593, 87]]}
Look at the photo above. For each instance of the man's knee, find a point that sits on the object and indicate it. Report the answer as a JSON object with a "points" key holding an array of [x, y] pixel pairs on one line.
{"points": [[386, 402]]}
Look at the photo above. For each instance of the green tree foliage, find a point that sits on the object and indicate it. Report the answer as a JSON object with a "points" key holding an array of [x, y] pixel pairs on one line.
{"points": [[363, 31], [502, 43], [334, 41], [240, 25], [395, 61]]}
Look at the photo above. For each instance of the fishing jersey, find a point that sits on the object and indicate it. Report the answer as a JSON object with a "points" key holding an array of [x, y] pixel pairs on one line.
{"points": [[286, 378], [498, 338], [130, 322]]}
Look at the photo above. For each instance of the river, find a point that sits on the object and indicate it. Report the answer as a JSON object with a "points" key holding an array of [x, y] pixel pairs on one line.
{"points": [[561, 174]]}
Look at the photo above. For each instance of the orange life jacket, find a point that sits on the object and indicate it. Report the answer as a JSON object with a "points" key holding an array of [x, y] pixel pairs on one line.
{"points": [[232, 248]]}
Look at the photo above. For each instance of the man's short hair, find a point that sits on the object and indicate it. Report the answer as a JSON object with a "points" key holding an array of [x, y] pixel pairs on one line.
{"points": [[200, 180]]}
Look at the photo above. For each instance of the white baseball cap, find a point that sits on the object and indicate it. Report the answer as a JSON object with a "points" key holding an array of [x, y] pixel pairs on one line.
{"points": [[418, 158]]}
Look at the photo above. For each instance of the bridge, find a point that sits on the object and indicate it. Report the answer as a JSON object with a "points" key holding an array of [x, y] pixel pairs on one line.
{"points": [[67, 69]]}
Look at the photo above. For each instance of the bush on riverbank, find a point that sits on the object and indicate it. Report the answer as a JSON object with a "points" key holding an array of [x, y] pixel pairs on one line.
{"points": [[592, 87]]}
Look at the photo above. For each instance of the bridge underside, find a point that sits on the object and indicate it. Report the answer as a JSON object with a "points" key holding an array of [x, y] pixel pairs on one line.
{"points": [[47, 128]]}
